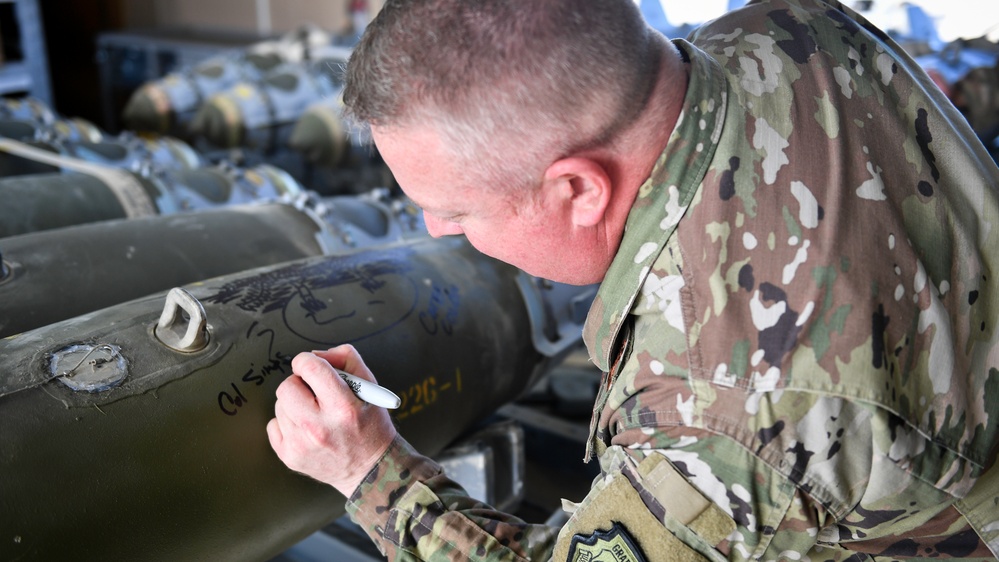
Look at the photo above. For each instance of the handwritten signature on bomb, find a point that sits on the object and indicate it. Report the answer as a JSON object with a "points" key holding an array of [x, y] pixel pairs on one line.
{"points": [[276, 362]]}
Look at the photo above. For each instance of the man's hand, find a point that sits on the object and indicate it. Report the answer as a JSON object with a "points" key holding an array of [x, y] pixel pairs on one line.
{"points": [[321, 428]]}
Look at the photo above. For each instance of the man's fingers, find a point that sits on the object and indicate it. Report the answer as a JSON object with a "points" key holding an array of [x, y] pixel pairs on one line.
{"points": [[320, 376], [274, 435], [284, 414], [347, 358], [293, 394], [320, 428]]}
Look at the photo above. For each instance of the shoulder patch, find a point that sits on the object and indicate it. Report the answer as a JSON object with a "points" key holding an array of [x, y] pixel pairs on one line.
{"points": [[613, 545]]}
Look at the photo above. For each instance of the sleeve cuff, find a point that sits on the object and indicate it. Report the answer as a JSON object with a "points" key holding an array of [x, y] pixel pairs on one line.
{"points": [[389, 480]]}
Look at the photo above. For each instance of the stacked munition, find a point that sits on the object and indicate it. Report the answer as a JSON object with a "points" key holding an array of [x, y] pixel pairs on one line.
{"points": [[51, 182], [286, 112], [126, 151], [138, 430], [93, 192], [58, 274], [323, 138], [72, 130], [145, 155], [260, 114], [30, 122], [167, 105], [317, 143], [224, 184], [26, 109], [58, 183]]}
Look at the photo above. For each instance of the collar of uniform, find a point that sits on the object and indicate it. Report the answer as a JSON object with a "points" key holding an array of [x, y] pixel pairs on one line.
{"points": [[661, 201]]}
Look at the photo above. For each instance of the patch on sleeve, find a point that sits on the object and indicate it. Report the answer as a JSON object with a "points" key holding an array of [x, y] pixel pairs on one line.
{"points": [[621, 520], [613, 545]]}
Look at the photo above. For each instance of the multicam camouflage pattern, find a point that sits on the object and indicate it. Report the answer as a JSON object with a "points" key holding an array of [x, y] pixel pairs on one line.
{"points": [[412, 511], [807, 299], [801, 317]]}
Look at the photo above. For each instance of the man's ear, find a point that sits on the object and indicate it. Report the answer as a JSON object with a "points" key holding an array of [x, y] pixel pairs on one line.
{"points": [[584, 185]]}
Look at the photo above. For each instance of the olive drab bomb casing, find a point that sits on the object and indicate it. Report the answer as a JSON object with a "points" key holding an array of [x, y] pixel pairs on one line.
{"points": [[36, 140], [324, 138], [144, 156], [72, 130], [224, 184], [138, 431], [59, 274], [94, 192], [28, 109], [53, 200], [31, 119], [139, 154]]}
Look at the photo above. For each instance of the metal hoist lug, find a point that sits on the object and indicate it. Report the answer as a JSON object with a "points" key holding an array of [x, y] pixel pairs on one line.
{"points": [[183, 325]]}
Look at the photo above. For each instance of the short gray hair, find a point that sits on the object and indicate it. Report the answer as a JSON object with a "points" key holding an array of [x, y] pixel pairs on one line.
{"points": [[510, 84]]}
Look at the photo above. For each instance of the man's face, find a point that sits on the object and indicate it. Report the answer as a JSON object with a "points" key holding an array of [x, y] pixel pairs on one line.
{"points": [[527, 232]]}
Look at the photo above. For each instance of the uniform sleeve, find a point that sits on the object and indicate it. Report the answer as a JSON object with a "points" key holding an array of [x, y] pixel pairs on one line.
{"points": [[413, 511]]}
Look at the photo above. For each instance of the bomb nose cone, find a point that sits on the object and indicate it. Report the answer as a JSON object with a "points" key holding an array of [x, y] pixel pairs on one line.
{"points": [[320, 136], [220, 122], [85, 130], [148, 109], [264, 62]]}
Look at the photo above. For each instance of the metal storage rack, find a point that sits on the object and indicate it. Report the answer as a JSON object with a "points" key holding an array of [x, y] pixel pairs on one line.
{"points": [[127, 59], [29, 74]]}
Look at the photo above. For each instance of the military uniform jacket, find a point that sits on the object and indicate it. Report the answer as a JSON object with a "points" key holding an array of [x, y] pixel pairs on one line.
{"points": [[799, 329]]}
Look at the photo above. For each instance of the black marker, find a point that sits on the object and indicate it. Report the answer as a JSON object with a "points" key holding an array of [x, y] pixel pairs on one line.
{"points": [[370, 392]]}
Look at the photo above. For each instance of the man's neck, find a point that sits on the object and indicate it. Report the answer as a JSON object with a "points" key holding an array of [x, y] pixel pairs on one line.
{"points": [[633, 155]]}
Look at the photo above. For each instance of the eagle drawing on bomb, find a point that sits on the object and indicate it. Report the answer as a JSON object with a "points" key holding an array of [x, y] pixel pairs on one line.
{"points": [[361, 299]]}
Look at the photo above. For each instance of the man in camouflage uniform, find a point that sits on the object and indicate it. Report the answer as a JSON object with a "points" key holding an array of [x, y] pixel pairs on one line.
{"points": [[798, 241]]}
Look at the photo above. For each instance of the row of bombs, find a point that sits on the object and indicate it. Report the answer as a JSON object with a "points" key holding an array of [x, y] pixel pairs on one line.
{"points": [[56, 172], [271, 95], [317, 140]]}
